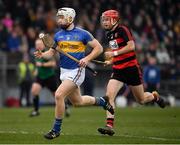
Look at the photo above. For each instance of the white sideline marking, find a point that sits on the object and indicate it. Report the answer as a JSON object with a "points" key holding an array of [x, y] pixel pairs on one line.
{"points": [[150, 137], [128, 136], [20, 132]]}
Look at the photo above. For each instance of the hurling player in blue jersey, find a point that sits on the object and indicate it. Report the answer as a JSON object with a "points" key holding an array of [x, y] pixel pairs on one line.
{"points": [[72, 40]]}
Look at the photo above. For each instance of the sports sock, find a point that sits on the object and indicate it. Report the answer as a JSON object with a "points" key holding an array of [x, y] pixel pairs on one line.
{"points": [[57, 125], [110, 122], [100, 101], [36, 102]]}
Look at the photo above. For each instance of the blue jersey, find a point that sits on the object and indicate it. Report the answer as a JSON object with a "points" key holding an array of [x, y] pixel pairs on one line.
{"points": [[74, 43], [152, 74]]}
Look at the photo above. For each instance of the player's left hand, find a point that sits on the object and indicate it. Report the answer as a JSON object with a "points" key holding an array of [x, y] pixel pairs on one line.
{"points": [[108, 54], [108, 62], [83, 62], [38, 54], [38, 64]]}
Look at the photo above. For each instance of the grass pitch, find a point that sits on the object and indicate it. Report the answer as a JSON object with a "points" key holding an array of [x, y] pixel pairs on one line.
{"points": [[133, 125]]}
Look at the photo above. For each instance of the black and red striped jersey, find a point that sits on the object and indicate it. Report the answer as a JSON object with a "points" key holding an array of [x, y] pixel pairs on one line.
{"points": [[117, 40]]}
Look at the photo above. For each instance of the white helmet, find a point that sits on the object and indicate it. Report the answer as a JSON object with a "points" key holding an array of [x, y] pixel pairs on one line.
{"points": [[68, 13]]}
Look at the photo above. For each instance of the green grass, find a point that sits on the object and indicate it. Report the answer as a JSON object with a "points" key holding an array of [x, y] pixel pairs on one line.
{"points": [[133, 125]]}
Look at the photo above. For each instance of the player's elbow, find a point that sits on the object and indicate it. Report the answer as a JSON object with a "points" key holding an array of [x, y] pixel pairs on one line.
{"points": [[53, 64], [131, 45], [98, 47]]}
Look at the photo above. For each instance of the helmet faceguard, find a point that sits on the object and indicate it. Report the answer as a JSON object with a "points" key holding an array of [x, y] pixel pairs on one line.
{"points": [[67, 14], [112, 16]]}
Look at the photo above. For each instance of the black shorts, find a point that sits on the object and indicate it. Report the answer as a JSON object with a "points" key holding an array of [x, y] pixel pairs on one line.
{"points": [[50, 83], [130, 75]]}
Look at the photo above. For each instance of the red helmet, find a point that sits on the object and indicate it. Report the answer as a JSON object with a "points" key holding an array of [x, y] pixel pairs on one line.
{"points": [[112, 14]]}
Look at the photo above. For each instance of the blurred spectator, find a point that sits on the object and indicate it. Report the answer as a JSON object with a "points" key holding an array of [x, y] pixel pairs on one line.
{"points": [[3, 37], [162, 56], [152, 75], [7, 21], [23, 48], [25, 77], [31, 37], [13, 42], [40, 19], [50, 22], [2, 8]]}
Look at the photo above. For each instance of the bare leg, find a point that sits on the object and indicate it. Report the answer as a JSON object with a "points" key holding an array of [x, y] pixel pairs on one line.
{"points": [[141, 96], [35, 90], [113, 88], [66, 88], [78, 100], [145, 97]]}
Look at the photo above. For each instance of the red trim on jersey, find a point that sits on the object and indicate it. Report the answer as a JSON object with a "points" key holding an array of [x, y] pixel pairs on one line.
{"points": [[119, 40], [140, 73], [118, 48], [127, 32], [126, 64], [123, 56]]}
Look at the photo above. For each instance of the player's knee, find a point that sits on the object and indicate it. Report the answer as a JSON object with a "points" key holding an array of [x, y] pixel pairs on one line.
{"points": [[58, 96], [77, 103], [34, 92]]}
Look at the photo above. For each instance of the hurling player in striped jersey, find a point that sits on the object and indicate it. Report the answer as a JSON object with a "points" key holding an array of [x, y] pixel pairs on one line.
{"points": [[125, 66]]}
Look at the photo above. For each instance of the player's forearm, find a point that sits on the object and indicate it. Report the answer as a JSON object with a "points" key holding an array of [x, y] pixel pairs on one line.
{"points": [[48, 54], [128, 48], [49, 64], [97, 50]]}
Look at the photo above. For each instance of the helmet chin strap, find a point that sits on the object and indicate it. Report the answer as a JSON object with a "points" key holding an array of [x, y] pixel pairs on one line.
{"points": [[113, 25]]}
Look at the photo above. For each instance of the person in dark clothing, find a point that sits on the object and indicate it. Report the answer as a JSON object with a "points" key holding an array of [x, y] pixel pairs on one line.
{"points": [[25, 76], [152, 75], [45, 77]]}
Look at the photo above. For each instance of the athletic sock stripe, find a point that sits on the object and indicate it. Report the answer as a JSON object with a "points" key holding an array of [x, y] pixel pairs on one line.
{"points": [[109, 121], [110, 118]]}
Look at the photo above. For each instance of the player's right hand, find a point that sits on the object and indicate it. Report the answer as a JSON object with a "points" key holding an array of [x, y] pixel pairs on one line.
{"points": [[107, 62], [108, 54], [38, 54]]}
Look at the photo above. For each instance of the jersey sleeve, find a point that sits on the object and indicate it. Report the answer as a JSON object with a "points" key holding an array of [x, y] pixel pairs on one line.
{"points": [[87, 37], [126, 34]]}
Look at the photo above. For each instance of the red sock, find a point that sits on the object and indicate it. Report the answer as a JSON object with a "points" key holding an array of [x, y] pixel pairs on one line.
{"points": [[110, 122]]}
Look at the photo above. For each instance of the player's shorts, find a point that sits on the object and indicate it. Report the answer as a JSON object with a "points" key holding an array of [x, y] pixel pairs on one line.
{"points": [[130, 75], [75, 75], [50, 83]]}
